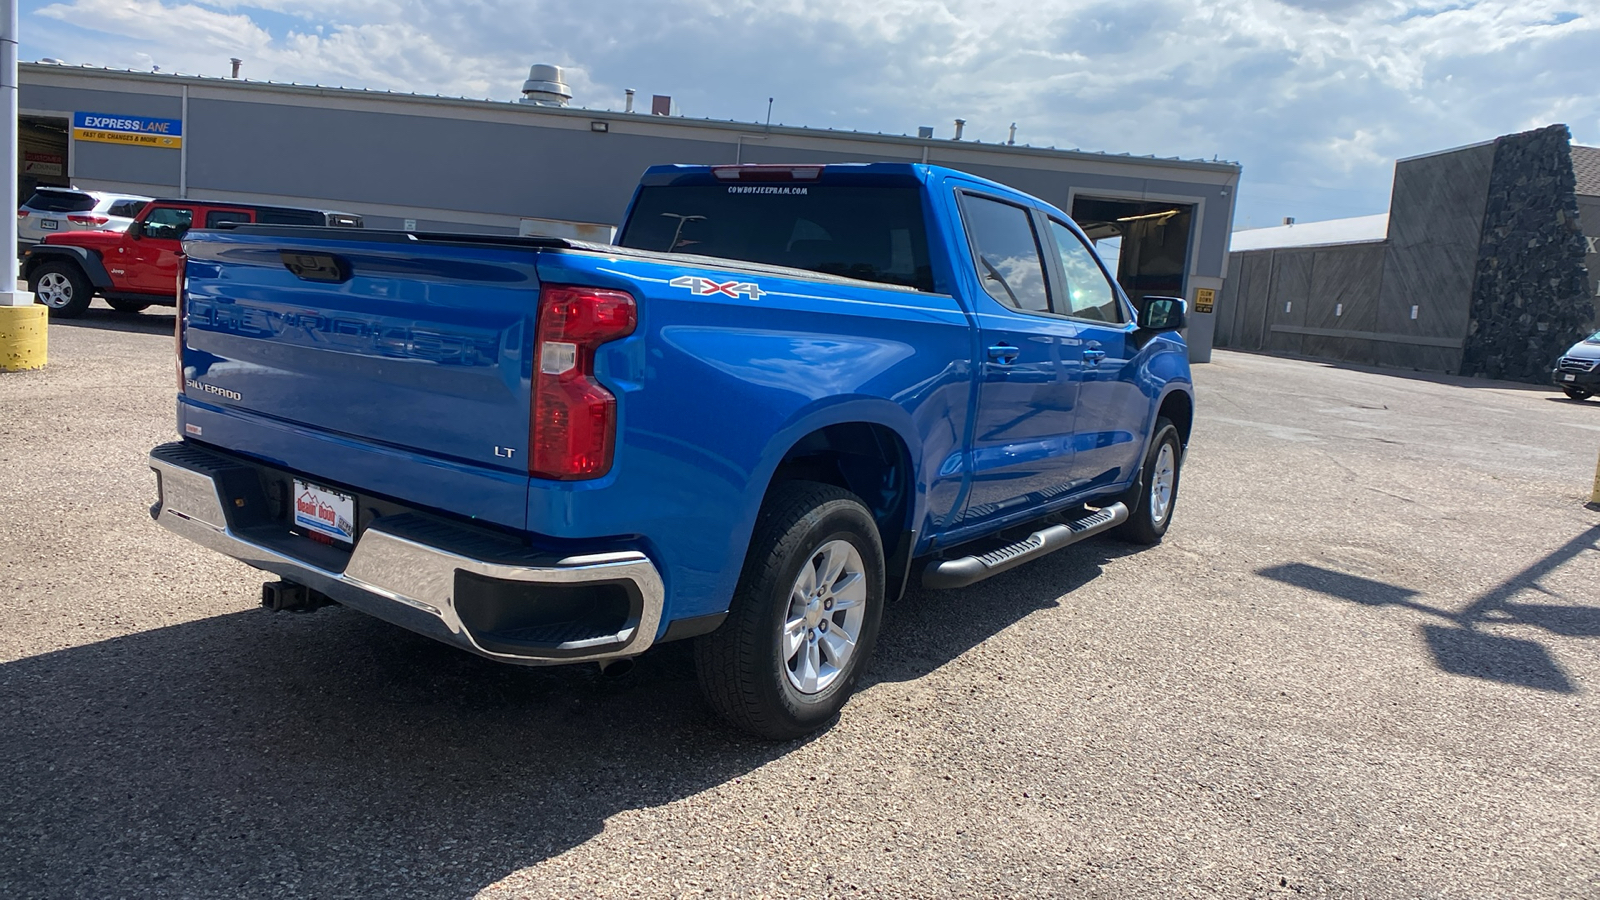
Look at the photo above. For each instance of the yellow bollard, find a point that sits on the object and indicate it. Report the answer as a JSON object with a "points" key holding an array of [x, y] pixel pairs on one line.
{"points": [[23, 336], [1594, 496]]}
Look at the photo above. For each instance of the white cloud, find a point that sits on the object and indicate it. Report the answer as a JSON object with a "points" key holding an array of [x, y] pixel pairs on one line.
{"points": [[1316, 97]]}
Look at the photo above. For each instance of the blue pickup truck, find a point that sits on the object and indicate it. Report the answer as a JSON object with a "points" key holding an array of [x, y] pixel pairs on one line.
{"points": [[783, 396]]}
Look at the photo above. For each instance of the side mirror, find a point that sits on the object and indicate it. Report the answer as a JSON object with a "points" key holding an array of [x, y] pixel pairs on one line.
{"points": [[1162, 314], [135, 230]]}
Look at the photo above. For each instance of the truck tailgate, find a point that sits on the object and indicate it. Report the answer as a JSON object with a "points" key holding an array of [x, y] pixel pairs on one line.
{"points": [[417, 351]]}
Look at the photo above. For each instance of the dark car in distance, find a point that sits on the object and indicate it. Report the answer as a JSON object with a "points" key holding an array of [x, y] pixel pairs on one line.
{"points": [[1577, 372]]}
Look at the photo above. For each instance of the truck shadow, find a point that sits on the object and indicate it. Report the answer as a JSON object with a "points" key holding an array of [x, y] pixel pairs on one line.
{"points": [[333, 755], [328, 755], [1459, 641], [927, 628]]}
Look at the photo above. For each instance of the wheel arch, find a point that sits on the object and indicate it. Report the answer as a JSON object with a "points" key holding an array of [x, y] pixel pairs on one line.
{"points": [[87, 261], [869, 449], [1177, 407]]}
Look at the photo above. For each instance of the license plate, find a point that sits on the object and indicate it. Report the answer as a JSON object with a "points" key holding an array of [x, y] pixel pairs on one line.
{"points": [[1569, 378], [325, 511], [49, 224]]}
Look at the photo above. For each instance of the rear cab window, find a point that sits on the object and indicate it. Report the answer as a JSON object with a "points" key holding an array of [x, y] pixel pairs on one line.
{"points": [[869, 232]]}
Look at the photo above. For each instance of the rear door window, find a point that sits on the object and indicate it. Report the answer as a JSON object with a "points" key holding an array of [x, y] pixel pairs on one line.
{"points": [[868, 232], [126, 208], [61, 201], [216, 217], [290, 217], [1006, 252]]}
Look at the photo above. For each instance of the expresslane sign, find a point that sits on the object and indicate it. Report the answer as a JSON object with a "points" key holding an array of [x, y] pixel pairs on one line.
{"points": [[110, 128]]}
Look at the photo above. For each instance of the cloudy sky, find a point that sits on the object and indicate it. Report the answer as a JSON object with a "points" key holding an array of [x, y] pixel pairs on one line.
{"points": [[1315, 97]]}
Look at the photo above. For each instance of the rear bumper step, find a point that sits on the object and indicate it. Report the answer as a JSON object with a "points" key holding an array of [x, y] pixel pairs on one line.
{"points": [[965, 570], [491, 597]]}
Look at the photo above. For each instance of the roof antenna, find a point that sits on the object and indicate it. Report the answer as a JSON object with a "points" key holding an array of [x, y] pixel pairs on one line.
{"points": [[769, 113]]}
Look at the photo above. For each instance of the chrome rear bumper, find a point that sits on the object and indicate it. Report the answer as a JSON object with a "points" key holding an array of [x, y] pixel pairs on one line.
{"points": [[405, 569]]}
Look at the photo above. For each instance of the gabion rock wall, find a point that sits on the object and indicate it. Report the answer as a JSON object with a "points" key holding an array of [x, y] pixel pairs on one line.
{"points": [[1530, 294]]}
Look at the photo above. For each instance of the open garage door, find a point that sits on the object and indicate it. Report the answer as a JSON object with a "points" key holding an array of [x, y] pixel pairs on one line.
{"points": [[1145, 242], [41, 153]]}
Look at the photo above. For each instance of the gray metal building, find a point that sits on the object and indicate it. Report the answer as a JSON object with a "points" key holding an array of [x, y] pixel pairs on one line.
{"points": [[449, 164], [1489, 266]]}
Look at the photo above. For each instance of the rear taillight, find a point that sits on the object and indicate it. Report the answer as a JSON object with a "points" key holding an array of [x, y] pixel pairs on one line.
{"points": [[22, 214], [88, 220], [574, 426]]}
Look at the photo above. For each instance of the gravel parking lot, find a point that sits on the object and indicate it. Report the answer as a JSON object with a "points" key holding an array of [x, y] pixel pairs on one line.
{"points": [[1365, 663]]}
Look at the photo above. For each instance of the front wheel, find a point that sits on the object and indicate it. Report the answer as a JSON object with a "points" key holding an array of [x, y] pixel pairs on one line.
{"points": [[804, 617], [1151, 501], [1577, 393], [62, 287]]}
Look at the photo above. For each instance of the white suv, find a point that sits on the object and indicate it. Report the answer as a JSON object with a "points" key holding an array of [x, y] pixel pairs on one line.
{"points": [[55, 209]]}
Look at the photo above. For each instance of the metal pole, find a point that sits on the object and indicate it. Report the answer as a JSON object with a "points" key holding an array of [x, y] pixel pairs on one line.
{"points": [[183, 148], [24, 334], [8, 156]]}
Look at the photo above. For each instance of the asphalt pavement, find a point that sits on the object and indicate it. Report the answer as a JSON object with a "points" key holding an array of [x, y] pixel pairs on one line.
{"points": [[1364, 663]]}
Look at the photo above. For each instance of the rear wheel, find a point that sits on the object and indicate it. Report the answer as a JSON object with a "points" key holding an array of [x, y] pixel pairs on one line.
{"points": [[1578, 393], [127, 306], [804, 618], [62, 287], [1150, 503]]}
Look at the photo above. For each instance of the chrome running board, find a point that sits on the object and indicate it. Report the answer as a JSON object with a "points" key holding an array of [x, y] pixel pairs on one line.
{"points": [[965, 570]]}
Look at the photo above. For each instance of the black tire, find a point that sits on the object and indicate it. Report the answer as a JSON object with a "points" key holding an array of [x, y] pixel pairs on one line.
{"points": [[742, 667], [63, 288], [127, 306], [1577, 393], [1144, 526]]}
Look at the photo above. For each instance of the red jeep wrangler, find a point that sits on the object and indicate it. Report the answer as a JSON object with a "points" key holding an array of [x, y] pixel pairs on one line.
{"points": [[139, 268]]}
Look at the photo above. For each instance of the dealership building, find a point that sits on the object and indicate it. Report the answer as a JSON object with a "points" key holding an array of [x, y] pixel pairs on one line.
{"points": [[535, 165]]}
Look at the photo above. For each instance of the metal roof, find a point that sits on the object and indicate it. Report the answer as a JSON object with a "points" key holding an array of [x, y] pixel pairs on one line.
{"points": [[246, 84], [1357, 230]]}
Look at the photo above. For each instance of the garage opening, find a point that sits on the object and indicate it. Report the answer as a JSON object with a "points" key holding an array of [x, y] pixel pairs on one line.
{"points": [[41, 154], [1146, 243]]}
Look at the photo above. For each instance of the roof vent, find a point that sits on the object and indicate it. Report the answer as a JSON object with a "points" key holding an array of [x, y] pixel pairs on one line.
{"points": [[1288, 220], [544, 87], [925, 131]]}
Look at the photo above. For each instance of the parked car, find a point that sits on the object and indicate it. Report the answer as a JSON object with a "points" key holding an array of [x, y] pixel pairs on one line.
{"points": [[59, 210], [137, 267], [790, 392], [1577, 372]]}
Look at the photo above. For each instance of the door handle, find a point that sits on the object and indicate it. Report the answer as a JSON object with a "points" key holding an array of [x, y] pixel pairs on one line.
{"points": [[1004, 354], [1092, 354]]}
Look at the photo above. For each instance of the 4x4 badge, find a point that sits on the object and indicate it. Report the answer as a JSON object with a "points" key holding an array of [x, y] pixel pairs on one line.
{"points": [[705, 287]]}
